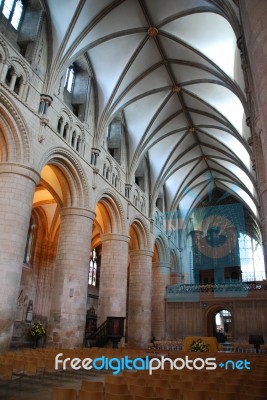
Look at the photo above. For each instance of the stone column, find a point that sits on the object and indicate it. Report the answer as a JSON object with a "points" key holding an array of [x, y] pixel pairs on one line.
{"points": [[4, 72], [46, 264], [160, 279], [139, 310], [17, 188], [69, 292], [13, 81], [113, 277]]}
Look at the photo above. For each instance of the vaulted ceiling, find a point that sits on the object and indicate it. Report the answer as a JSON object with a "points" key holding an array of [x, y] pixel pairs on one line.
{"points": [[173, 69]]}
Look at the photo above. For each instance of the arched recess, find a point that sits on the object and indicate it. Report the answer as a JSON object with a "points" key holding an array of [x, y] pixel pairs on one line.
{"points": [[110, 214], [139, 235], [62, 185], [14, 139], [209, 316], [110, 245], [161, 270], [163, 251], [73, 184], [139, 295]]}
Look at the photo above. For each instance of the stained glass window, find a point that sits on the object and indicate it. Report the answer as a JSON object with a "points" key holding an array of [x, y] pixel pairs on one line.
{"points": [[92, 268]]}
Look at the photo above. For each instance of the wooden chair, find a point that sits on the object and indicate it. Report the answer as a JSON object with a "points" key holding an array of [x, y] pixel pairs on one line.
{"points": [[146, 391], [92, 386], [251, 397], [111, 396], [85, 395], [145, 398], [59, 393], [168, 393], [194, 395], [154, 382], [222, 396], [130, 380], [18, 367], [114, 379], [180, 385], [115, 388], [30, 369]]}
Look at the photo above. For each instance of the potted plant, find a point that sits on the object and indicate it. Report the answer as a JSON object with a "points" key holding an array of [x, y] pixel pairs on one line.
{"points": [[199, 346], [38, 332]]}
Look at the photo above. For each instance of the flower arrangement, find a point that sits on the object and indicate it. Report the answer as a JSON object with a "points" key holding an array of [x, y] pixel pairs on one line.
{"points": [[198, 345], [37, 329]]}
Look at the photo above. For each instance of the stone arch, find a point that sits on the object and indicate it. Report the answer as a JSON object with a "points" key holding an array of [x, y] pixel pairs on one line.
{"points": [[71, 175], [140, 235], [110, 210], [4, 54], [66, 115], [210, 312], [14, 139], [162, 249], [20, 68]]}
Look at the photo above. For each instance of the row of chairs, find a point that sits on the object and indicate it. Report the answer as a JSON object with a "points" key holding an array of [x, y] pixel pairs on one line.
{"points": [[97, 391]]}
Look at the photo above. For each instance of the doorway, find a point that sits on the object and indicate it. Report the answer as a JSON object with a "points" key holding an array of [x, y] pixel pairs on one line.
{"points": [[220, 324]]}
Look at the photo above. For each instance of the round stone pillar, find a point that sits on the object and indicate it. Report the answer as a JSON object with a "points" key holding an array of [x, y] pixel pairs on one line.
{"points": [[139, 308], [46, 264], [113, 277], [17, 188], [69, 294], [160, 279]]}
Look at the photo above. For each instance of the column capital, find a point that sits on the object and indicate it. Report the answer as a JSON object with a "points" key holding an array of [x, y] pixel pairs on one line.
{"points": [[162, 264], [141, 252], [20, 169], [115, 236], [81, 212]]}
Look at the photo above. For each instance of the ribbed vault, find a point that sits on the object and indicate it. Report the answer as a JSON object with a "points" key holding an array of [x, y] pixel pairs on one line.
{"points": [[173, 69]]}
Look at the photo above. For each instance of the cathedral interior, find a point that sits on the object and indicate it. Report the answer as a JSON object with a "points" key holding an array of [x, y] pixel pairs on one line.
{"points": [[133, 170]]}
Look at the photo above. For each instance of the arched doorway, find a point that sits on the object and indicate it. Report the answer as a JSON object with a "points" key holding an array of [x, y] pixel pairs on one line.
{"points": [[220, 323]]}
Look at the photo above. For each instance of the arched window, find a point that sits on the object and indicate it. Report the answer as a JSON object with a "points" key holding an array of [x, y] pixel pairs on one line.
{"points": [[29, 244], [78, 144], [18, 84], [12, 10], [59, 124], [107, 173], [114, 139], [73, 138], [92, 268], [10, 73], [69, 79], [65, 131]]}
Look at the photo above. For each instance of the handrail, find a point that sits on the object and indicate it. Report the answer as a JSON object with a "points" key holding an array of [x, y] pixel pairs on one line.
{"points": [[100, 335]]}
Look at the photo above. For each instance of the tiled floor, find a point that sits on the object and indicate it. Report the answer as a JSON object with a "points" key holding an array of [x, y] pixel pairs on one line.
{"points": [[39, 388]]}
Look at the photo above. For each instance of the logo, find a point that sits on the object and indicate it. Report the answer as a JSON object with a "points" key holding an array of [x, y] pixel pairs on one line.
{"points": [[149, 364]]}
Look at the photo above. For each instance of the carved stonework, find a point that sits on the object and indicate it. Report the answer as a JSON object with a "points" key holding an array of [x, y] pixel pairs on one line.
{"points": [[152, 31], [176, 89]]}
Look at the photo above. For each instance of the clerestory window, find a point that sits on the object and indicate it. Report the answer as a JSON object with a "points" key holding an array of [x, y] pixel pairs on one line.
{"points": [[69, 79], [12, 10]]}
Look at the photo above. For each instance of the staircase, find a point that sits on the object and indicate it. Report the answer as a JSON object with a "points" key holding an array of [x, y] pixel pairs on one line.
{"points": [[100, 337], [111, 329]]}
